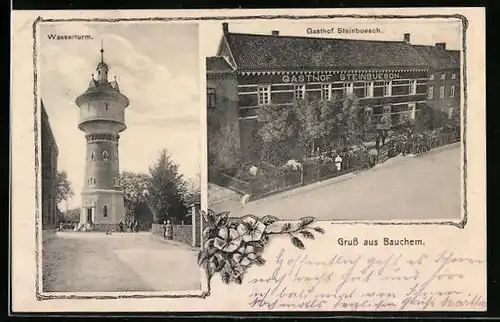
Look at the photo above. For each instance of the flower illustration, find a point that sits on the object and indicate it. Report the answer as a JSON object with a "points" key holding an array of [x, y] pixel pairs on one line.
{"points": [[228, 240], [245, 255], [251, 229]]}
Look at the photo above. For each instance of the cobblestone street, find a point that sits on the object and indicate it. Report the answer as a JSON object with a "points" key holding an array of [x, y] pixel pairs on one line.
{"points": [[95, 262]]}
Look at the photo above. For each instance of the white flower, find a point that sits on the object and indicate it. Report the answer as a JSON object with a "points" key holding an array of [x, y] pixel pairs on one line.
{"points": [[251, 229], [245, 255], [228, 240]]}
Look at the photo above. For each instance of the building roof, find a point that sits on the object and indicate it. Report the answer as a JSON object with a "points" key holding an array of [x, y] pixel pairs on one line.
{"points": [[264, 52], [439, 58], [218, 64]]}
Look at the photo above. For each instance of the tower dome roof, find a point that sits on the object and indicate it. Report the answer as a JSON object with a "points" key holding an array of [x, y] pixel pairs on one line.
{"points": [[102, 65]]}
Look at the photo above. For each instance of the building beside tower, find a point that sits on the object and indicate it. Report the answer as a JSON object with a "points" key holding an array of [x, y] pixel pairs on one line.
{"points": [[252, 70], [50, 153], [102, 118]]}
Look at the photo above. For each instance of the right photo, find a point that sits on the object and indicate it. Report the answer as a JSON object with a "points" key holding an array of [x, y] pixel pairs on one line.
{"points": [[342, 119]]}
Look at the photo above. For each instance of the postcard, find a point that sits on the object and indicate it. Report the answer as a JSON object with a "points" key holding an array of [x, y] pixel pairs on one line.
{"points": [[248, 160]]}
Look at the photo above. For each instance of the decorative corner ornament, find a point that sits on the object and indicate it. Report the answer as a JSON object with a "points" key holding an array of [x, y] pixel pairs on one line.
{"points": [[233, 245]]}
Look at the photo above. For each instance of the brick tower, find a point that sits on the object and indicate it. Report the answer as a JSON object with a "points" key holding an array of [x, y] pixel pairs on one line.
{"points": [[102, 118]]}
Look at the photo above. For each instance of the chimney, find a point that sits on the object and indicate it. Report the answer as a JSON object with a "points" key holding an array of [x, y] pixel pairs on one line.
{"points": [[407, 38], [275, 32], [441, 45], [225, 28]]}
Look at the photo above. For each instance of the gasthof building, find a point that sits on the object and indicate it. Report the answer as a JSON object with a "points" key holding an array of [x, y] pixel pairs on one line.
{"points": [[252, 70]]}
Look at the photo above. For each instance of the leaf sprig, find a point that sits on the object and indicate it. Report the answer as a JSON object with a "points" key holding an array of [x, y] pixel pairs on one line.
{"points": [[232, 245]]}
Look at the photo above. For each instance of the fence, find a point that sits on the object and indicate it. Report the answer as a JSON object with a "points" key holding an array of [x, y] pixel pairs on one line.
{"points": [[187, 234], [272, 180]]}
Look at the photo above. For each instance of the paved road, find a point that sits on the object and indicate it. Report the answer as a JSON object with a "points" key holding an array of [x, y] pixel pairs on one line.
{"points": [[426, 187], [95, 262]]}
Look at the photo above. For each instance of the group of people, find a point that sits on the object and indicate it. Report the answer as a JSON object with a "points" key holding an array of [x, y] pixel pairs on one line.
{"points": [[133, 225]]}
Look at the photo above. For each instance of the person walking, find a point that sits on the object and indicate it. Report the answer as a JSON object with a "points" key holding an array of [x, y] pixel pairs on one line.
{"points": [[131, 226], [136, 226], [373, 157], [169, 230], [120, 226], [338, 162], [377, 142], [164, 230]]}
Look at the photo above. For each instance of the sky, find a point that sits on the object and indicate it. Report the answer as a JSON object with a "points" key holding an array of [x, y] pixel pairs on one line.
{"points": [[157, 68], [422, 31]]}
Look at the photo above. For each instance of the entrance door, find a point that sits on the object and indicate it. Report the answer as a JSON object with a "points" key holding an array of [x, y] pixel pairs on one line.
{"points": [[89, 214]]}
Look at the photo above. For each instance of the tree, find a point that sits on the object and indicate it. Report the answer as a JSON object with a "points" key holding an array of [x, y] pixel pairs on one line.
{"points": [[278, 132], [166, 188], [63, 187], [385, 122], [352, 120], [133, 185], [72, 215]]}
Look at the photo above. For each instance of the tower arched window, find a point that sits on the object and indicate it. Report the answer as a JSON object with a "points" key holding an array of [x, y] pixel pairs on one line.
{"points": [[92, 156], [91, 181], [105, 211], [106, 106], [105, 156]]}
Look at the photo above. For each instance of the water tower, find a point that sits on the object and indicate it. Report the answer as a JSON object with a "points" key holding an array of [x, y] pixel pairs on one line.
{"points": [[102, 118]]}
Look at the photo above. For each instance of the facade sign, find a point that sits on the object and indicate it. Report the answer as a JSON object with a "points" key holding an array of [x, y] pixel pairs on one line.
{"points": [[352, 77]]}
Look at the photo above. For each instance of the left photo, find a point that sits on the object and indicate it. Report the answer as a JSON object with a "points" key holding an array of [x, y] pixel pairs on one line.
{"points": [[118, 112]]}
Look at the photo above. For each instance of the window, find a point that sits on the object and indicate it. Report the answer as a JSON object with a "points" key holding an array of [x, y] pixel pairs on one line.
{"points": [[443, 76], [453, 76], [450, 112], [211, 102], [430, 93], [91, 181], [117, 181], [388, 88], [105, 211], [105, 155], [106, 106], [299, 91], [452, 91], [348, 88], [264, 94], [92, 156], [326, 91], [441, 92], [369, 89], [413, 87], [431, 76]]}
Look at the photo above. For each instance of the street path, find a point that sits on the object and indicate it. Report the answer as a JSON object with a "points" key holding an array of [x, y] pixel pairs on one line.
{"points": [[95, 262], [426, 187]]}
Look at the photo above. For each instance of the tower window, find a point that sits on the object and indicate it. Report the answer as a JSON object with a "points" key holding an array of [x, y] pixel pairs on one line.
{"points": [[105, 211], [117, 181], [106, 106], [105, 156], [92, 156], [91, 181]]}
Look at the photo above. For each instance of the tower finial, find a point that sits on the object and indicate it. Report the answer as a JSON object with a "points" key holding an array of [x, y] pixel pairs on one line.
{"points": [[102, 50]]}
